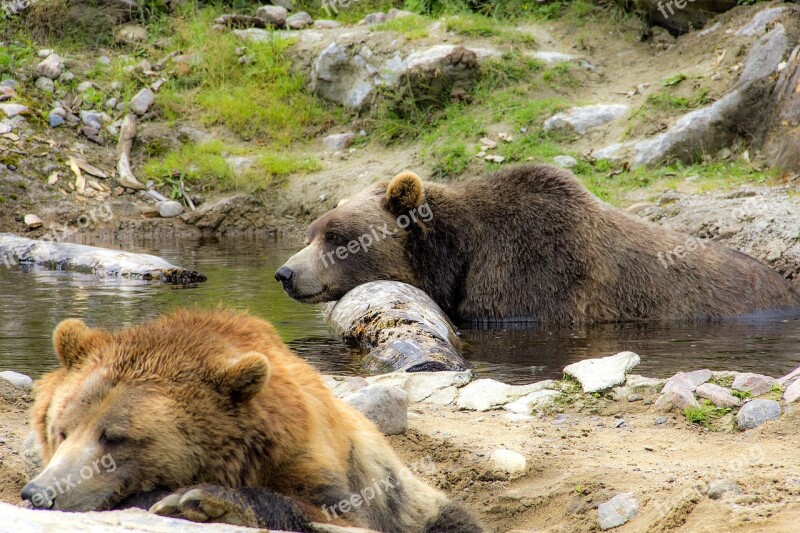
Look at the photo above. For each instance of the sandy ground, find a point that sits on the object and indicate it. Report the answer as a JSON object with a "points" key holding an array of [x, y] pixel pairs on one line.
{"points": [[575, 465]]}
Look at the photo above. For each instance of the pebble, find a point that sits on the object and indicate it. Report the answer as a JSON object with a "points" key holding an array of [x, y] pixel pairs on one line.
{"points": [[169, 209], [50, 67], [756, 412], [565, 161], [44, 52], [20, 381], [755, 384], [617, 511], [45, 84], [55, 120], [273, 15], [374, 18], [84, 86], [716, 489], [677, 397], [141, 103], [66, 77], [560, 419], [299, 20], [13, 110], [111, 103], [104, 60], [9, 83], [92, 119], [507, 464], [322, 24], [661, 420], [338, 141], [385, 406], [620, 423], [635, 398]]}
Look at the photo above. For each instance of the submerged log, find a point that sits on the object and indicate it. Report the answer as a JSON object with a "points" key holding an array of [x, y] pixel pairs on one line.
{"points": [[101, 262], [400, 325]]}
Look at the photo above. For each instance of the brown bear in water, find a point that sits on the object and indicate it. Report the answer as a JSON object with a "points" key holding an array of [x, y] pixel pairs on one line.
{"points": [[525, 243], [208, 416]]}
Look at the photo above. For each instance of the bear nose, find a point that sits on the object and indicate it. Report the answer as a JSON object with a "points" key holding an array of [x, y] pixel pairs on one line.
{"points": [[284, 274], [37, 495]]}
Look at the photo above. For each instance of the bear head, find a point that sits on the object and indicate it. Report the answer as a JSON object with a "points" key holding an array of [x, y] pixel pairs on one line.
{"points": [[363, 239], [142, 409]]}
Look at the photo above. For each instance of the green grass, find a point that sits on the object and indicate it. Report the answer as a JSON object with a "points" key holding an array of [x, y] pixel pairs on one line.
{"points": [[705, 413], [666, 101], [741, 394], [674, 80], [474, 25], [411, 26]]}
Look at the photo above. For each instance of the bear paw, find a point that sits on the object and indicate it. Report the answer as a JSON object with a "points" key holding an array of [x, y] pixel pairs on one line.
{"points": [[207, 503]]}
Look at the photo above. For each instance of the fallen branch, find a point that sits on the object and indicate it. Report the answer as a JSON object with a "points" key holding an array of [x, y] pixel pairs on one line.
{"points": [[101, 262], [125, 175]]}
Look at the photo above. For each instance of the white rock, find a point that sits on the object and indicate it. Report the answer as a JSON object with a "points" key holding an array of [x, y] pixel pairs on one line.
{"points": [[719, 396], [50, 67], [534, 400], [169, 209], [338, 141], [45, 84], [790, 377], [323, 24], [758, 24], [421, 385], [485, 394], [550, 57], [565, 161], [792, 392], [617, 511], [603, 373], [20, 381], [755, 384], [507, 464], [13, 110], [580, 119], [32, 221], [687, 380], [445, 396], [141, 103]]}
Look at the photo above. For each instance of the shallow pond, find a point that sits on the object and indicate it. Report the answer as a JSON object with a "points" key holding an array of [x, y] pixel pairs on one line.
{"points": [[240, 274]]}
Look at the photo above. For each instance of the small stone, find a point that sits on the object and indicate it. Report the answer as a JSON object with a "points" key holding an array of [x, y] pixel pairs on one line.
{"points": [[716, 489], [20, 381], [44, 52], [581, 119], [603, 373], [756, 412], [273, 15], [169, 209], [661, 420], [385, 406], [84, 86], [507, 464], [45, 84], [755, 384], [92, 119], [116, 85], [50, 67], [687, 380], [131, 34], [66, 77], [565, 161], [111, 103], [617, 511], [620, 423], [338, 141], [299, 20], [792, 392], [141, 103], [287, 4], [374, 18], [676, 397], [719, 396], [104, 60], [55, 120], [322, 24], [560, 419], [397, 13], [9, 83], [635, 398], [13, 110]]}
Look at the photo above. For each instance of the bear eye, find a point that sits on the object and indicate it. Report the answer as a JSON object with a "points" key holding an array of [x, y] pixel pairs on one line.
{"points": [[335, 238], [62, 436], [110, 439]]}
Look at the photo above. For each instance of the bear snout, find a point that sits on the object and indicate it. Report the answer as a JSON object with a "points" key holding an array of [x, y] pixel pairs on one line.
{"points": [[36, 495], [284, 274]]}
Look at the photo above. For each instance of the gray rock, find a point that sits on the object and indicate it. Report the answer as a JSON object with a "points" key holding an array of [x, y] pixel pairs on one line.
{"points": [[66, 77], [420, 386], [45, 84], [581, 119], [661, 420], [14, 110], [10, 83], [55, 120], [534, 400], [131, 34], [755, 384], [288, 5], [374, 18], [617, 511], [486, 394], [792, 392], [565, 161], [790, 377], [140, 104], [84, 86], [338, 141], [719, 396], [323, 24], [394, 13], [92, 119], [20, 381], [550, 57], [386, 406], [273, 15], [44, 52], [50, 67], [32, 456], [719, 487], [111, 103], [299, 20], [635, 398], [602, 373], [676, 397], [758, 24], [756, 412], [104, 60], [170, 209], [687, 380]]}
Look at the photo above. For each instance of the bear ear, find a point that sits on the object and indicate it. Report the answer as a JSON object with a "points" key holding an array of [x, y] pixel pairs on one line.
{"points": [[404, 193], [245, 378], [70, 340]]}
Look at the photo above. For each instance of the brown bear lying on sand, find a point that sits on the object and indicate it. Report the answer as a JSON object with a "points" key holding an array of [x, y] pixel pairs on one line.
{"points": [[208, 416], [525, 243]]}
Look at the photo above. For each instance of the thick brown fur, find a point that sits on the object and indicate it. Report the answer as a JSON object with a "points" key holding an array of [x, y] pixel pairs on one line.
{"points": [[530, 243], [213, 401]]}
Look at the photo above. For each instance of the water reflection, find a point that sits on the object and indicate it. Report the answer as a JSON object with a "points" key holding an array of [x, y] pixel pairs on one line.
{"points": [[240, 274]]}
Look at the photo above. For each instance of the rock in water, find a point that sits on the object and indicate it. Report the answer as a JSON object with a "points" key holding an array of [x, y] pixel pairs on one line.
{"points": [[20, 381], [385, 406], [603, 373], [756, 412], [507, 464], [617, 511]]}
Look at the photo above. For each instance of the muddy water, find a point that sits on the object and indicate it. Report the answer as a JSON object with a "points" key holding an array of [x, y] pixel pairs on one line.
{"points": [[33, 300]]}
